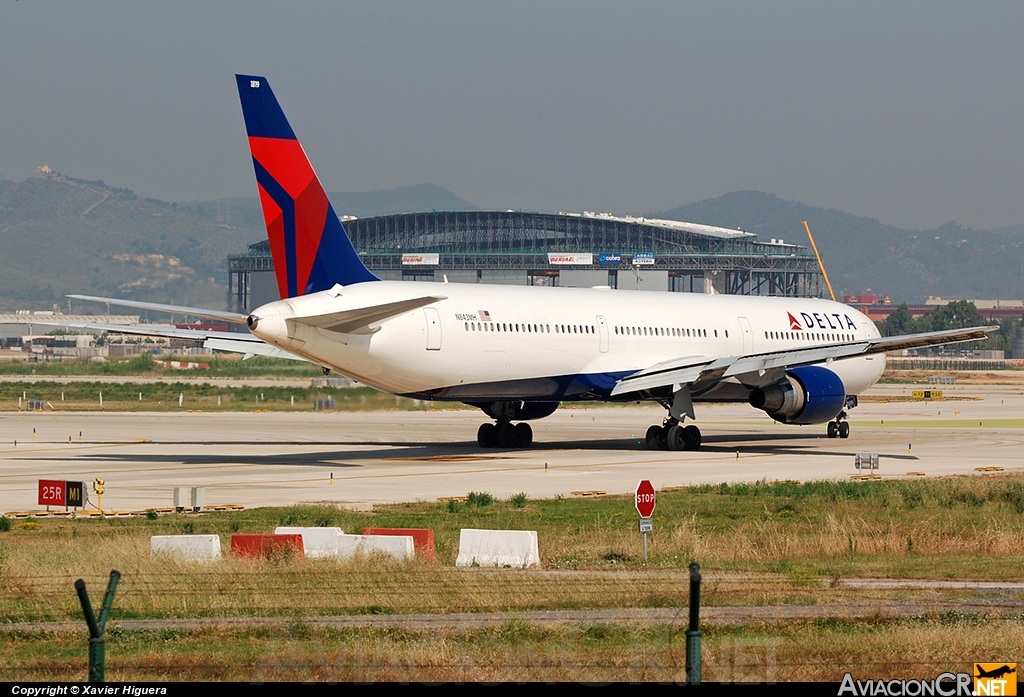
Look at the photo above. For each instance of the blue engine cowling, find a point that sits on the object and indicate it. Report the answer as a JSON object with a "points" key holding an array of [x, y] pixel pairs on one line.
{"points": [[807, 395]]}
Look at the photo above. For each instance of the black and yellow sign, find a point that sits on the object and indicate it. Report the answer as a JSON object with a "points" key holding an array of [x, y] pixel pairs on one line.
{"points": [[995, 678], [73, 496], [926, 394]]}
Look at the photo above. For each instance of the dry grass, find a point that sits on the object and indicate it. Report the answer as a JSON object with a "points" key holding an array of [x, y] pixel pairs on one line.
{"points": [[522, 651], [1010, 376], [759, 544]]}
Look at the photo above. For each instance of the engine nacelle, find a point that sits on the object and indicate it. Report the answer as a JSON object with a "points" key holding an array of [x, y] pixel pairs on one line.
{"points": [[807, 395]]}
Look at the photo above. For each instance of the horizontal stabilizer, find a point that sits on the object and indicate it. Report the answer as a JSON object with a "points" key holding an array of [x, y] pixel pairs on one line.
{"points": [[233, 342], [249, 348], [220, 316], [347, 321], [153, 330]]}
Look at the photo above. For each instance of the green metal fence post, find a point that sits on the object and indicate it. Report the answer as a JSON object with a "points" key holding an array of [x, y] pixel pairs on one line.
{"points": [[693, 633], [97, 644]]}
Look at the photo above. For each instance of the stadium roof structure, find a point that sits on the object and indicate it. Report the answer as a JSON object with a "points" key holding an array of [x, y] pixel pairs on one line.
{"points": [[508, 241]]}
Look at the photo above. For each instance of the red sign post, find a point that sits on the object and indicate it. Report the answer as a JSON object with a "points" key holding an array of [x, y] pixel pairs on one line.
{"points": [[645, 507], [645, 498]]}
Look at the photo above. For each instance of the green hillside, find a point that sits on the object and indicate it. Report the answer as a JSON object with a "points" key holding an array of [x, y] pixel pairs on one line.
{"points": [[861, 253], [61, 235]]}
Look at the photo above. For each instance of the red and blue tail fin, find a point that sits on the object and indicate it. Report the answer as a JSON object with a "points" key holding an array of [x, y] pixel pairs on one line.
{"points": [[311, 249]]}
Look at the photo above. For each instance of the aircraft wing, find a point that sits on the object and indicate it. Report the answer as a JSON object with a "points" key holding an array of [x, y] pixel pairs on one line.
{"points": [[234, 342], [221, 316], [691, 370]]}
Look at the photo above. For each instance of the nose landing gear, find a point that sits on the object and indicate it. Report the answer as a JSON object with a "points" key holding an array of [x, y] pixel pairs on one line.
{"points": [[840, 427]]}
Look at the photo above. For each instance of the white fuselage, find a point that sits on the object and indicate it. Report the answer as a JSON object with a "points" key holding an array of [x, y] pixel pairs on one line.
{"points": [[485, 342]]}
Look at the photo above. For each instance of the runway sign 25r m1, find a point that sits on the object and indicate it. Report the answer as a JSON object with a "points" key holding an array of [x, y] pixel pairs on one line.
{"points": [[53, 492]]}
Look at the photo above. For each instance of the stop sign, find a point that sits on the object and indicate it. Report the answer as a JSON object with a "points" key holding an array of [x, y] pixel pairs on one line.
{"points": [[645, 498]]}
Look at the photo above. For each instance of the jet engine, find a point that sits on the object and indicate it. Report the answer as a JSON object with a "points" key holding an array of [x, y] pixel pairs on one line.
{"points": [[807, 395]]}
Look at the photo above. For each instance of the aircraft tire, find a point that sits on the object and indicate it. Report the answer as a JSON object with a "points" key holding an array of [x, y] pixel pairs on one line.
{"points": [[832, 429], [844, 429], [524, 435], [506, 435], [653, 438], [487, 435], [675, 439], [691, 438]]}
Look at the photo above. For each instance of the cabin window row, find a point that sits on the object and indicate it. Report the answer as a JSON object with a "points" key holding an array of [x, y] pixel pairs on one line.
{"points": [[529, 328], [808, 336], [667, 331]]}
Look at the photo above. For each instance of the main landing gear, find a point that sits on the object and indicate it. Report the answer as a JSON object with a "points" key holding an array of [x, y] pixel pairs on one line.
{"points": [[839, 427], [504, 434], [672, 435]]}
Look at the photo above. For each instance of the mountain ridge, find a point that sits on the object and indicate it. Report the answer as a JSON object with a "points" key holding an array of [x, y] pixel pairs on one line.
{"points": [[64, 235], [862, 253]]}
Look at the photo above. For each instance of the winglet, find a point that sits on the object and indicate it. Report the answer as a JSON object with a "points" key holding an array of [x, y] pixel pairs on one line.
{"points": [[311, 250]]}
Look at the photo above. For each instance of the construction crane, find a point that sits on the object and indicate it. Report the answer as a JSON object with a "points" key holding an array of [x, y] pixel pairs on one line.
{"points": [[818, 256]]}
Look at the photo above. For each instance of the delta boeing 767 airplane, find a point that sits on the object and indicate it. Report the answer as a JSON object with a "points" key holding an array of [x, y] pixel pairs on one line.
{"points": [[518, 352]]}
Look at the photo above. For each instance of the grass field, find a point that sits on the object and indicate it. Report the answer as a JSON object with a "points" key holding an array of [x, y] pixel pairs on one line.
{"points": [[125, 397], [221, 366], [520, 651], [759, 544]]}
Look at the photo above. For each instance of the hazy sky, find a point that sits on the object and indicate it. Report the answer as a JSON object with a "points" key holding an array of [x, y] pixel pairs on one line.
{"points": [[910, 112]]}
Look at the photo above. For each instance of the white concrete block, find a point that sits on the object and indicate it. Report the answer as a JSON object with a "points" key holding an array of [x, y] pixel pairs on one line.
{"points": [[196, 547], [512, 548], [399, 546], [318, 542]]}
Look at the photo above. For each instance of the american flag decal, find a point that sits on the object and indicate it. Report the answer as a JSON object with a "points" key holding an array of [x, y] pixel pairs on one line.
{"points": [[485, 316]]}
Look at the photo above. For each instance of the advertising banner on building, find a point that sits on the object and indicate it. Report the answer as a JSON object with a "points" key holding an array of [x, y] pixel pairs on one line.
{"points": [[643, 259], [577, 258], [421, 259], [609, 259]]}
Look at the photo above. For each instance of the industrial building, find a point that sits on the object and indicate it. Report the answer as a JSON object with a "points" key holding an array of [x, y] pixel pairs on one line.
{"points": [[557, 249]]}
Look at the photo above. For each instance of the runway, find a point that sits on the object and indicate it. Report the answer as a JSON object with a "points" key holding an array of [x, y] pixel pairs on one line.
{"points": [[280, 458]]}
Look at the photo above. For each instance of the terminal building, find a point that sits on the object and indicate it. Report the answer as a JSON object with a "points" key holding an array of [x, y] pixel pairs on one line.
{"points": [[555, 249]]}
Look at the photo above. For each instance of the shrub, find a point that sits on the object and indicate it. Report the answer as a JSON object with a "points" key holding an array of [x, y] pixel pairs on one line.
{"points": [[480, 499], [5, 523], [519, 500]]}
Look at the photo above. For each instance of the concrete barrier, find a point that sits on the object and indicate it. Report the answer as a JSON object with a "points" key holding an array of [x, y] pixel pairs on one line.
{"points": [[422, 539], [318, 542], [266, 546], [396, 546], [195, 547], [512, 548]]}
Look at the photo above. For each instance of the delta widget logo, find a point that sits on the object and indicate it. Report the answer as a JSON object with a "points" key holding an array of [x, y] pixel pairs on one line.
{"points": [[827, 321]]}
